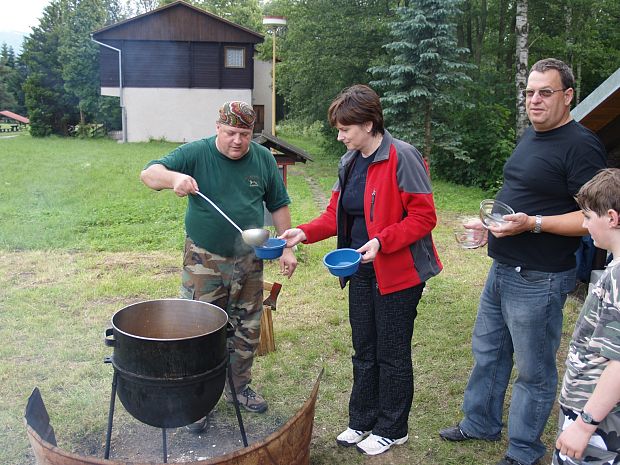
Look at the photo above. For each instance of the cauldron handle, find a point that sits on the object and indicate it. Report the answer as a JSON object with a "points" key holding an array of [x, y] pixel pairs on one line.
{"points": [[108, 337]]}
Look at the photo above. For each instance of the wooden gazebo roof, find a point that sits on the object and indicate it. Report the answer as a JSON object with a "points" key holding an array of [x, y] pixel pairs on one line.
{"points": [[600, 111], [285, 152]]}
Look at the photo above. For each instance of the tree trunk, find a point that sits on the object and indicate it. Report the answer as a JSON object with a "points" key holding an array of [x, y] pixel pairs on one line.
{"points": [[570, 50], [482, 26], [501, 30], [570, 40], [467, 15], [460, 32], [521, 29], [428, 137], [577, 70], [509, 56]]}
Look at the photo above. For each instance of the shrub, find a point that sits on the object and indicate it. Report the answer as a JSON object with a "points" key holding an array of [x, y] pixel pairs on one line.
{"points": [[488, 138]]}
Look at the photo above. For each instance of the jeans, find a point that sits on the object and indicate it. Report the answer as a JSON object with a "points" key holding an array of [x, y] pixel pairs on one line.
{"points": [[520, 318], [382, 328]]}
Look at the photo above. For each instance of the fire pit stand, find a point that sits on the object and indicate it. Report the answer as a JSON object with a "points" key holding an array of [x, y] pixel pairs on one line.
{"points": [[163, 430], [170, 362]]}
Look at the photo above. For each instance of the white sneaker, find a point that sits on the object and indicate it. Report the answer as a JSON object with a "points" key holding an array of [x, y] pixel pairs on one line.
{"points": [[375, 445], [350, 437]]}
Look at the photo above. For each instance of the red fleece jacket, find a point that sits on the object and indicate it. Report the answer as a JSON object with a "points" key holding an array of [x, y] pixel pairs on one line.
{"points": [[399, 211]]}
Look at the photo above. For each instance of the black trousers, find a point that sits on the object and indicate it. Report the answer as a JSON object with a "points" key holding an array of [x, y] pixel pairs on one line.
{"points": [[382, 328]]}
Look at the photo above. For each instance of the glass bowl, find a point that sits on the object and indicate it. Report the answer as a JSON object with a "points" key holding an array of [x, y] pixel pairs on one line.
{"points": [[492, 212], [468, 238]]}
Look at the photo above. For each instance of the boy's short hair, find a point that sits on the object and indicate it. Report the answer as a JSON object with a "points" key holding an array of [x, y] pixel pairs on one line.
{"points": [[601, 193]]}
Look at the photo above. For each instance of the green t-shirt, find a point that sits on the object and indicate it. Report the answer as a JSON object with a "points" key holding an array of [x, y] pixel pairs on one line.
{"points": [[238, 187]]}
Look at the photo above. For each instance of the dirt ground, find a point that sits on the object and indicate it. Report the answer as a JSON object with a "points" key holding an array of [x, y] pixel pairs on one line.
{"points": [[134, 441]]}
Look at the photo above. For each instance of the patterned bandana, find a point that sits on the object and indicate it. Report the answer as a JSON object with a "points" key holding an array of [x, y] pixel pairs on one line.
{"points": [[237, 114]]}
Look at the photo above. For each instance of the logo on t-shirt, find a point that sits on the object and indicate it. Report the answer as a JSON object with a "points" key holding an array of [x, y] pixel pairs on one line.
{"points": [[252, 181]]}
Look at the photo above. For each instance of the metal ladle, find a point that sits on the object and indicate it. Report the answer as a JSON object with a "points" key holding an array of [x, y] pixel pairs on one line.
{"points": [[254, 236]]}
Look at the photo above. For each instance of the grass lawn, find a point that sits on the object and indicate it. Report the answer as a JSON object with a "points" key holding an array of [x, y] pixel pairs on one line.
{"points": [[81, 237]]}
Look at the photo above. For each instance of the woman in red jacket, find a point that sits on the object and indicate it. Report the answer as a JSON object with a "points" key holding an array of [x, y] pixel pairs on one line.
{"points": [[382, 205]]}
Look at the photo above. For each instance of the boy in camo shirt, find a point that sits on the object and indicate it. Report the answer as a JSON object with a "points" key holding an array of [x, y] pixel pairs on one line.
{"points": [[589, 422]]}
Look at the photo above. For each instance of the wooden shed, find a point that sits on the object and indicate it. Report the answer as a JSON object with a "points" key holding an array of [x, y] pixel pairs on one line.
{"points": [[173, 67], [600, 112]]}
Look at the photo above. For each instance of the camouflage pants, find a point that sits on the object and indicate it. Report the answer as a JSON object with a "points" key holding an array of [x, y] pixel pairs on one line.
{"points": [[234, 284], [604, 445]]}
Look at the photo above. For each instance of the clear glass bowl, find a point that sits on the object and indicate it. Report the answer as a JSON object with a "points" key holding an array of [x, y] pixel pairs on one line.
{"points": [[468, 238], [492, 212]]}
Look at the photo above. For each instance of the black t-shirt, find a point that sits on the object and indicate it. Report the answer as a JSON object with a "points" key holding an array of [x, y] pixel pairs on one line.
{"points": [[540, 178], [353, 199]]}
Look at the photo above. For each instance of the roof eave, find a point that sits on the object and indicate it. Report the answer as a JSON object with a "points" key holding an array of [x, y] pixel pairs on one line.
{"points": [[170, 5], [598, 96]]}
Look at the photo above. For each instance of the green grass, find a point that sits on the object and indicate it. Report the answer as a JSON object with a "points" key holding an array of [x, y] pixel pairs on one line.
{"points": [[81, 237], [83, 195]]}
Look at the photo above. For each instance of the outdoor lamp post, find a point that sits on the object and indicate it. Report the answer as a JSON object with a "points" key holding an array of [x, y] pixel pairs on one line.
{"points": [[273, 23]]}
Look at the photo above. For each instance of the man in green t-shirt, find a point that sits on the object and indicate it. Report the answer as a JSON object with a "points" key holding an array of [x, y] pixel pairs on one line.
{"points": [[238, 175]]}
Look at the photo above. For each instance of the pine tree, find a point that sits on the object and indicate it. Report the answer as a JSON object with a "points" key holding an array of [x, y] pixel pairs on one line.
{"points": [[8, 101], [424, 71], [51, 110], [79, 55]]}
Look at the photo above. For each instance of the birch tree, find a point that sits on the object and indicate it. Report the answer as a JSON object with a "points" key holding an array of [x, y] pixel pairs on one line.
{"points": [[522, 53]]}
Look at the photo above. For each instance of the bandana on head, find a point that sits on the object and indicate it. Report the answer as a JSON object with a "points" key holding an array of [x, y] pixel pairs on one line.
{"points": [[237, 114]]}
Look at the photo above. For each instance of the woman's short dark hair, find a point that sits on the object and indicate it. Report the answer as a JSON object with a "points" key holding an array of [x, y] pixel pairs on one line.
{"points": [[357, 104], [566, 74]]}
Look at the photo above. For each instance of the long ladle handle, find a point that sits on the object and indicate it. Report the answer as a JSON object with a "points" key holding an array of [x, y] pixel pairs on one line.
{"points": [[218, 209]]}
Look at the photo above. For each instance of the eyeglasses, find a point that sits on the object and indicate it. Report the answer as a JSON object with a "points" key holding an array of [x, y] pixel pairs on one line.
{"points": [[544, 93]]}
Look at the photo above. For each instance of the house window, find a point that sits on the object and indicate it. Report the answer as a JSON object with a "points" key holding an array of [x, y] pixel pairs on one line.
{"points": [[235, 57]]}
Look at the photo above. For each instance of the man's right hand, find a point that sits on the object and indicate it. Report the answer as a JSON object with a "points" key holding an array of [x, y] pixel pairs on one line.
{"points": [[293, 236], [184, 185], [159, 177]]}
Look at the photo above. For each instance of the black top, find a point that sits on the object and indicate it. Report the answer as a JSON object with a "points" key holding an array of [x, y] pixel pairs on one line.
{"points": [[541, 177], [353, 199]]}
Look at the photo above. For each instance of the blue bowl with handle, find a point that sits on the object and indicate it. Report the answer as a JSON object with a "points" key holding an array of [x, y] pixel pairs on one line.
{"points": [[342, 262], [271, 249]]}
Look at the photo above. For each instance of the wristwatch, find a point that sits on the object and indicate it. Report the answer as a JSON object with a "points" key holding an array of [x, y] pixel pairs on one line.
{"points": [[537, 225], [587, 418]]}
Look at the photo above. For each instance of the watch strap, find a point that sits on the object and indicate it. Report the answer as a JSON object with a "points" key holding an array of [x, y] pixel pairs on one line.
{"points": [[537, 225], [587, 418]]}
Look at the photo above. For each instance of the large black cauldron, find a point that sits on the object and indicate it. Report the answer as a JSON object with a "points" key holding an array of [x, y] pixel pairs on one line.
{"points": [[170, 357]]}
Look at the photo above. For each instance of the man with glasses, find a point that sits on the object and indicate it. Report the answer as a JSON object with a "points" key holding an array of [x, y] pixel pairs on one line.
{"points": [[519, 317]]}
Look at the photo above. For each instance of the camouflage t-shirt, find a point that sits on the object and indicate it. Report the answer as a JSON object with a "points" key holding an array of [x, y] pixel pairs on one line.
{"points": [[595, 341]]}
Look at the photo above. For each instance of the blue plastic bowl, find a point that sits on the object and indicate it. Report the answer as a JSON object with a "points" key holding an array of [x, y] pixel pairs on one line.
{"points": [[271, 249], [342, 262]]}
